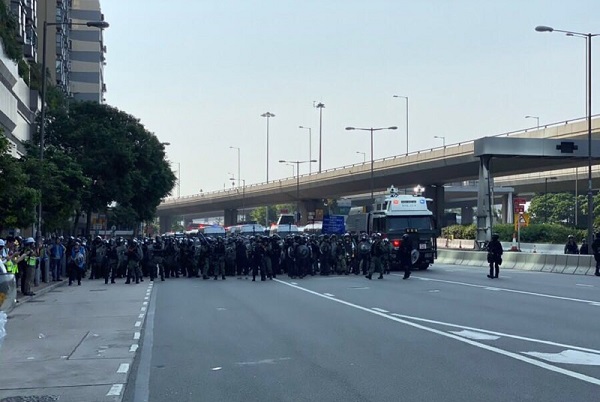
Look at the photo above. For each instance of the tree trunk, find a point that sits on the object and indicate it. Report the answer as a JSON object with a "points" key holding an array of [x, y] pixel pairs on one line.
{"points": [[76, 222]]}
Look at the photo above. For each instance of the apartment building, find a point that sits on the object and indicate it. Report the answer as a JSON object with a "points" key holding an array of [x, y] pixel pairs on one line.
{"points": [[18, 103]]}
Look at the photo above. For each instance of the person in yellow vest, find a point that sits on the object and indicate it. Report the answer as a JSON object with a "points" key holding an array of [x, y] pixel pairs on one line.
{"points": [[29, 256], [9, 256]]}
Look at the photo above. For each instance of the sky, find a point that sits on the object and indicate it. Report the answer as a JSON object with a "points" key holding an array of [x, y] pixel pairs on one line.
{"points": [[200, 73]]}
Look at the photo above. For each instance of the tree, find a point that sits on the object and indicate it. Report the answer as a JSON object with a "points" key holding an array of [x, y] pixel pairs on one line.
{"points": [[553, 208], [119, 160], [17, 199], [258, 214]]}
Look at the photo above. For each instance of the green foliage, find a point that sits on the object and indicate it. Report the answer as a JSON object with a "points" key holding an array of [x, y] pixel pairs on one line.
{"points": [[534, 233], [110, 158], [554, 208], [8, 34], [17, 198], [467, 232]]}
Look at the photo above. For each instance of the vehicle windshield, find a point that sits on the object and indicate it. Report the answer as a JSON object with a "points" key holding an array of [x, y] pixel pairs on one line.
{"points": [[398, 224]]}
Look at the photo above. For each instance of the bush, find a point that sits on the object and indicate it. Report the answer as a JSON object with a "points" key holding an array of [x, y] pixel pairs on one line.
{"points": [[535, 233]]}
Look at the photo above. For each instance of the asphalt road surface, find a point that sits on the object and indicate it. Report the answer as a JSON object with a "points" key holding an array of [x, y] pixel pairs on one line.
{"points": [[446, 334]]}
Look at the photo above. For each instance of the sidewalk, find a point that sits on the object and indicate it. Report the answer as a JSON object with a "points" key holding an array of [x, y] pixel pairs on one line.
{"points": [[72, 343]]}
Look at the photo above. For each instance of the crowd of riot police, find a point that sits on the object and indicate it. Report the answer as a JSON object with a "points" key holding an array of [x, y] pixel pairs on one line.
{"points": [[261, 256]]}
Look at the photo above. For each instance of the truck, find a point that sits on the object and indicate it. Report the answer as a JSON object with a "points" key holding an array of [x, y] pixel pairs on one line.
{"points": [[396, 215]]}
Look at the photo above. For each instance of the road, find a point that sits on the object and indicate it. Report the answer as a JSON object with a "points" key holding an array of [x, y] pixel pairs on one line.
{"points": [[448, 333]]}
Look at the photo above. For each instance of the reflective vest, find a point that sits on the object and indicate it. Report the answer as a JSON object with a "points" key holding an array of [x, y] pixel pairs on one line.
{"points": [[31, 261], [11, 267]]}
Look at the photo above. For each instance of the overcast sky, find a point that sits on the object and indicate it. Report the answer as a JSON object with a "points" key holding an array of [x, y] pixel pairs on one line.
{"points": [[199, 74]]}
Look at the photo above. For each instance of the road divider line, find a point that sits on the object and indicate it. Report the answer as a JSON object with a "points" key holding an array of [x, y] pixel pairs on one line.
{"points": [[115, 390], [134, 348], [143, 308], [379, 309], [501, 334], [329, 294], [523, 292], [141, 315], [136, 335], [138, 323], [480, 345]]}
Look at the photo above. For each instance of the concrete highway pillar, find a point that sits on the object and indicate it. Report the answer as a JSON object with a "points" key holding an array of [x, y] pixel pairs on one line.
{"points": [[309, 206], [484, 202], [436, 193], [166, 222], [230, 217], [510, 212], [466, 214]]}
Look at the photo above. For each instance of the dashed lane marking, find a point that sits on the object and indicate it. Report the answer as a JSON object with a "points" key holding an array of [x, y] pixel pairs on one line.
{"points": [[141, 315], [329, 294], [115, 390], [584, 285], [123, 368], [134, 348], [379, 309], [138, 323], [476, 335], [136, 335]]}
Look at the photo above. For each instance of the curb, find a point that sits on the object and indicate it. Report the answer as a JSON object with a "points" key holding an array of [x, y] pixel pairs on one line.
{"points": [[38, 293]]}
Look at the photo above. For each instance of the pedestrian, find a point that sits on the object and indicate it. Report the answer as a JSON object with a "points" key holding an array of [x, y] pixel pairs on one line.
{"points": [[404, 254], [76, 264], [596, 251], [494, 256], [28, 260], [584, 249], [57, 251], [571, 246]]}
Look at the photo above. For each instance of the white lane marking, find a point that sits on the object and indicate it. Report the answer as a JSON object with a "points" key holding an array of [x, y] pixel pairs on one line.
{"points": [[379, 309], [568, 357], [264, 361], [584, 285], [115, 390], [141, 315], [138, 323], [595, 303], [144, 308], [507, 290], [501, 334], [123, 368], [293, 283], [145, 303], [476, 335], [221, 309], [216, 368], [490, 288], [433, 291], [146, 298], [329, 294], [136, 336], [134, 347], [515, 356]]}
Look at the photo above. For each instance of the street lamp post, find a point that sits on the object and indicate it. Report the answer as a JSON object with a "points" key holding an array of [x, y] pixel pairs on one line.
{"points": [[297, 163], [364, 154], [537, 119], [320, 106], [293, 168], [268, 115], [441, 137], [91, 24], [309, 147], [238, 152], [371, 130], [406, 98], [590, 199]]}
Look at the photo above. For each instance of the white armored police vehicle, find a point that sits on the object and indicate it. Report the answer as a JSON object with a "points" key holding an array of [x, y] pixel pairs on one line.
{"points": [[397, 215]]}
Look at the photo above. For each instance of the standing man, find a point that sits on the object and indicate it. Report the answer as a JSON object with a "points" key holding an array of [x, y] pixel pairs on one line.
{"points": [[376, 255], [57, 251], [134, 257], [28, 259], [76, 264], [571, 246], [596, 251], [405, 255], [494, 256]]}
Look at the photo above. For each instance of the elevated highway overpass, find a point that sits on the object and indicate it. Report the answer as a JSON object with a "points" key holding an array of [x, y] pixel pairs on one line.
{"points": [[431, 168]]}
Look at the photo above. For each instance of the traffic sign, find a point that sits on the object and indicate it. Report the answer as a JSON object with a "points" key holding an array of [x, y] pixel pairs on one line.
{"points": [[519, 201], [333, 224], [522, 220], [519, 209]]}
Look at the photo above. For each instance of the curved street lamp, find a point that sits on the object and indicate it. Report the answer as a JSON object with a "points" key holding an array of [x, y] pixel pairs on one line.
{"points": [[590, 199]]}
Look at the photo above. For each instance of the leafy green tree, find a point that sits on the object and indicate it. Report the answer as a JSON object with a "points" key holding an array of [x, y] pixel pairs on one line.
{"points": [[553, 208], [17, 199], [119, 160]]}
